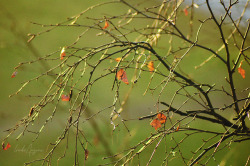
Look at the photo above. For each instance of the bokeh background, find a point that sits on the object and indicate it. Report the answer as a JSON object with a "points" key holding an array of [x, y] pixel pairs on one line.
{"points": [[15, 18]]}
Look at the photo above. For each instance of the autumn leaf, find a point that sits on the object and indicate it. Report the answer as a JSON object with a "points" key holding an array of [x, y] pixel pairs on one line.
{"points": [[156, 124], [31, 111], [13, 74], [241, 71], [118, 59], [151, 66], [121, 75], [177, 129], [63, 54], [7, 146], [106, 25], [86, 154], [185, 11], [65, 98], [162, 118]]}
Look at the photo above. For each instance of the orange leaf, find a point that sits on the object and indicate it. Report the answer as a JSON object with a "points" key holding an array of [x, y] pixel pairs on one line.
{"points": [[65, 98], [185, 11], [151, 66], [177, 129], [14, 74], [118, 59], [121, 75], [162, 118], [106, 25], [241, 71], [86, 154], [156, 124], [7, 146], [63, 54]]}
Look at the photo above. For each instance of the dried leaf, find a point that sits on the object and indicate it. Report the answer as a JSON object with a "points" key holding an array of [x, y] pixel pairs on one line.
{"points": [[185, 11], [118, 59], [241, 71], [106, 25], [14, 74], [86, 154], [63, 54], [156, 124], [162, 118], [31, 111], [65, 98], [151, 66], [7, 146], [121, 75]]}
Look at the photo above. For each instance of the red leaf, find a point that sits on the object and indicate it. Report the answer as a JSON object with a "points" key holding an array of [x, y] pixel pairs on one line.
{"points": [[63, 54], [162, 118], [156, 124], [121, 75], [65, 98], [14, 74], [7, 146], [86, 154], [186, 12], [106, 25], [151, 66], [241, 71]]}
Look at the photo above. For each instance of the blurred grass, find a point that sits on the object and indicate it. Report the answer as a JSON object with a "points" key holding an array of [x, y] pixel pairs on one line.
{"points": [[15, 18]]}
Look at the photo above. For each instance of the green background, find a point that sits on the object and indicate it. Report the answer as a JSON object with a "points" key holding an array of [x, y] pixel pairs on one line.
{"points": [[15, 25]]}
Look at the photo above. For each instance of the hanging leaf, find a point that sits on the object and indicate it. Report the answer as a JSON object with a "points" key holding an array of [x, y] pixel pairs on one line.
{"points": [[241, 71], [118, 59], [14, 74], [151, 66], [65, 98], [156, 124], [106, 25], [162, 118], [86, 154], [185, 11], [7, 146], [63, 53], [121, 75], [31, 111]]}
